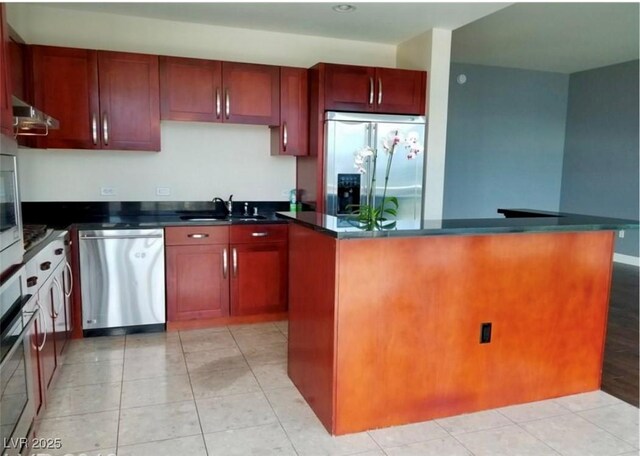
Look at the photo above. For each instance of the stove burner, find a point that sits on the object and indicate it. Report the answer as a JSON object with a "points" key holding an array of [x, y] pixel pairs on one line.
{"points": [[33, 234]]}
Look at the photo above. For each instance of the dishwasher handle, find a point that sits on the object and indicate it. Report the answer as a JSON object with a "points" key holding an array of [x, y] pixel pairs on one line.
{"points": [[87, 237]]}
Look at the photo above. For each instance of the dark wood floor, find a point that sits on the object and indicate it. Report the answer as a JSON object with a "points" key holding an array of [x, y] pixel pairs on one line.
{"points": [[621, 365]]}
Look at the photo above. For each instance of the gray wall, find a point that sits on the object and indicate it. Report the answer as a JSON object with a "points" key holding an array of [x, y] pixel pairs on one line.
{"points": [[505, 140], [600, 173]]}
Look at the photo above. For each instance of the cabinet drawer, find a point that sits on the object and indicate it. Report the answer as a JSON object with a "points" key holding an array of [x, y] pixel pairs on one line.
{"points": [[245, 234], [40, 267], [194, 235]]}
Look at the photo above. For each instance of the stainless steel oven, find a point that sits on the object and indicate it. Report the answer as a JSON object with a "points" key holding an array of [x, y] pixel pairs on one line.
{"points": [[11, 246], [16, 371]]}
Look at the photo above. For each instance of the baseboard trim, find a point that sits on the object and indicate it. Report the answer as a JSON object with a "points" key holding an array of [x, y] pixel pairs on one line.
{"points": [[626, 259]]}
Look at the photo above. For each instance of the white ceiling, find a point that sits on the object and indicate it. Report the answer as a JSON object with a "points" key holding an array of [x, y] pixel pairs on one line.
{"points": [[561, 37], [388, 22]]}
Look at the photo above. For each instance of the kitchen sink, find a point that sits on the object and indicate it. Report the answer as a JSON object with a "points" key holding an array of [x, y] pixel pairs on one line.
{"points": [[211, 218]]}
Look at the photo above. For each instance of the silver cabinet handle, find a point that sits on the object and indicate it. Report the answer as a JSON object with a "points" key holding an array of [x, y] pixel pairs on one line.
{"points": [[225, 263], [235, 262], [56, 312], [260, 234], [379, 91], [105, 129], [227, 104], [68, 267], [44, 328], [94, 129], [371, 90], [285, 136], [198, 235], [217, 103]]}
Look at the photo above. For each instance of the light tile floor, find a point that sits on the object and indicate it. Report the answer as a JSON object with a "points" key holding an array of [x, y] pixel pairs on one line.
{"points": [[225, 391]]}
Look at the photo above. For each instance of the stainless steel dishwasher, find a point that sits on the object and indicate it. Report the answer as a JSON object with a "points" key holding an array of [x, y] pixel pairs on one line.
{"points": [[122, 281]]}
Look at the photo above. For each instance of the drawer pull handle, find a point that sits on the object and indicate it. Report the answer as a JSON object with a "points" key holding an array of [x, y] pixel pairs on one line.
{"points": [[260, 234], [32, 281], [45, 266], [198, 235], [59, 251]]}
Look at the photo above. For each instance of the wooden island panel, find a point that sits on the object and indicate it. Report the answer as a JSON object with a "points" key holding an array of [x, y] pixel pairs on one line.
{"points": [[408, 315]]}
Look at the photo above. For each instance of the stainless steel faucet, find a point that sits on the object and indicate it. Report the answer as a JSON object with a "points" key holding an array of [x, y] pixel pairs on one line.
{"points": [[228, 205], [246, 209]]}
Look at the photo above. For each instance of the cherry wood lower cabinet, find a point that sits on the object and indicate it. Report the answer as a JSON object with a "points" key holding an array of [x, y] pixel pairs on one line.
{"points": [[259, 278], [197, 270], [388, 331], [216, 272]]}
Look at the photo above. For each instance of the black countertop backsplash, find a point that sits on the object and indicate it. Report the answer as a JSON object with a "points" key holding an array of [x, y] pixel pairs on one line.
{"points": [[62, 214]]}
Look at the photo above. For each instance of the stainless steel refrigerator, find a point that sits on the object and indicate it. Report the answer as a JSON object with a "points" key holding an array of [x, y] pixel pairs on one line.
{"points": [[345, 135]]}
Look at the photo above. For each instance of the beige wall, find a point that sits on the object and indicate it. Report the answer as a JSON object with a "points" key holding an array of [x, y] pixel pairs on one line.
{"points": [[431, 51], [197, 161]]}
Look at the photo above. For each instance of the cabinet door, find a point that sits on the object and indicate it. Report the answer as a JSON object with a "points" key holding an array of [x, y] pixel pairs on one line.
{"points": [[129, 101], [59, 311], [65, 86], [400, 91], [258, 278], [251, 93], [6, 109], [292, 136], [190, 89], [36, 338], [48, 351], [197, 281], [349, 88]]}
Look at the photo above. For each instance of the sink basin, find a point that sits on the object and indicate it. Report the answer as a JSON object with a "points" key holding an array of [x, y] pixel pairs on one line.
{"points": [[247, 218], [203, 218], [210, 218]]}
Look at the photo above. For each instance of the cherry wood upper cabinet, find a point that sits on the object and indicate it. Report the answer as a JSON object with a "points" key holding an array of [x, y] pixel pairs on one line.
{"points": [[291, 137], [214, 91], [367, 89], [129, 101], [65, 86], [6, 106], [103, 100], [348, 87], [400, 91], [190, 89], [251, 93]]}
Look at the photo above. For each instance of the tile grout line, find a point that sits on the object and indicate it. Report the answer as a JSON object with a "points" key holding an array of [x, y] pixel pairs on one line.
{"points": [[605, 430], [121, 392], [265, 394], [184, 358]]}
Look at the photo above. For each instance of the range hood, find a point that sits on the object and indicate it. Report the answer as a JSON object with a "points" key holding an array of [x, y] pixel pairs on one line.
{"points": [[28, 121]]}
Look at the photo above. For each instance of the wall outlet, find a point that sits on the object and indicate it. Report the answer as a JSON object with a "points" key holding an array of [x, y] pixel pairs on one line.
{"points": [[163, 191], [621, 234], [107, 191]]}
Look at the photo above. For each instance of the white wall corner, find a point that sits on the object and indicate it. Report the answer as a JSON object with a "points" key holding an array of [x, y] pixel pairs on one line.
{"points": [[431, 51], [626, 259]]}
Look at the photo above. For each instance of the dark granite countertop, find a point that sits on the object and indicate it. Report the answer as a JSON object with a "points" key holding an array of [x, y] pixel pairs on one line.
{"points": [[514, 221], [143, 214]]}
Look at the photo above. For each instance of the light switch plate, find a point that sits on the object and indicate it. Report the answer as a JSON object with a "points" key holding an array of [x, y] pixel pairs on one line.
{"points": [[107, 191], [163, 191]]}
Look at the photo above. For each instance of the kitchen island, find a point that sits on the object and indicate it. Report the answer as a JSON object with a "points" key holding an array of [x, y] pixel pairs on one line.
{"points": [[444, 317]]}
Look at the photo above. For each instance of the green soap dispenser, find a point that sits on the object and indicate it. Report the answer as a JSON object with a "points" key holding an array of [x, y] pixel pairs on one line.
{"points": [[293, 206]]}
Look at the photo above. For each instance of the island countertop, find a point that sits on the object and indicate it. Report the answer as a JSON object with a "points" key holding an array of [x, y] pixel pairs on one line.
{"points": [[514, 221]]}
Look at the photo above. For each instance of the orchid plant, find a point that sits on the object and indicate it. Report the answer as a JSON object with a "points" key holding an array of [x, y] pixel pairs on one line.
{"points": [[369, 215]]}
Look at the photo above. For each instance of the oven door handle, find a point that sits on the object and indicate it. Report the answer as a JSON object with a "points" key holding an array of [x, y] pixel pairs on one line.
{"points": [[18, 343]]}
